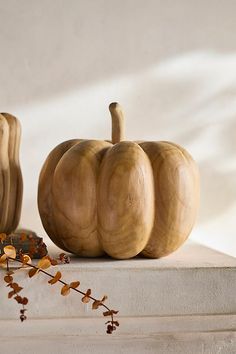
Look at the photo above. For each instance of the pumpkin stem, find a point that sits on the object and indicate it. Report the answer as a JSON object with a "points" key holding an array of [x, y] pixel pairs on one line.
{"points": [[117, 122]]}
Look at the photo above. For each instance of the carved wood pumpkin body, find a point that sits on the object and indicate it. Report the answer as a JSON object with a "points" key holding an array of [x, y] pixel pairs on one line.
{"points": [[122, 198], [11, 185]]}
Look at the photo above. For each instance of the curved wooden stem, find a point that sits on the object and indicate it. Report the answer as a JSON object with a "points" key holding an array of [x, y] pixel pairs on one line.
{"points": [[117, 122]]}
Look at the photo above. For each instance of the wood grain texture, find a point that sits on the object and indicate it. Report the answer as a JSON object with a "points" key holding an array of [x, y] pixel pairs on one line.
{"points": [[117, 119], [74, 194], [176, 182], [11, 184], [45, 204], [117, 196], [16, 180], [125, 200], [4, 173]]}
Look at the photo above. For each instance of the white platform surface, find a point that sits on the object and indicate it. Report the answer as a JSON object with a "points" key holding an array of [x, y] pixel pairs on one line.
{"points": [[184, 303]]}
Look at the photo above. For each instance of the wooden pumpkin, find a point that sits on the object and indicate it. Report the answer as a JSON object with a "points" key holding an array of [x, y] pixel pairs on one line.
{"points": [[120, 197], [11, 185]]}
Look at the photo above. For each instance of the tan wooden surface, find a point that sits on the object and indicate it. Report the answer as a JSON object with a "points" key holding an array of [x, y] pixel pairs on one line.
{"points": [[11, 185], [120, 197]]}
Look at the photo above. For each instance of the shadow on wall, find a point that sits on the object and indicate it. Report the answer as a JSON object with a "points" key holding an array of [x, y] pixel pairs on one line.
{"points": [[188, 99], [63, 62], [68, 62], [191, 100], [52, 47]]}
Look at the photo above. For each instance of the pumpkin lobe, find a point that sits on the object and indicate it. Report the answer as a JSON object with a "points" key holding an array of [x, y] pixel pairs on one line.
{"points": [[125, 200], [74, 194]]}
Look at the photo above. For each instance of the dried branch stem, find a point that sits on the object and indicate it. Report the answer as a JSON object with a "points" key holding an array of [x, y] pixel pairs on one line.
{"points": [[60, 281]]}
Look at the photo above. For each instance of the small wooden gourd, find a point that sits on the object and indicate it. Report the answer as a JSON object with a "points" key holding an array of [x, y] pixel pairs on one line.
{"points": [[11, 185], [120, 197]]}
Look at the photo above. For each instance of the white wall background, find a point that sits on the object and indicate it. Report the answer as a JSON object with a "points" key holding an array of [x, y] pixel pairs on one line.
{"points": [[170, 63]]}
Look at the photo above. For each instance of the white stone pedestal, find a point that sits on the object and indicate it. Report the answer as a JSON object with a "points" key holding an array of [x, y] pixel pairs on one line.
{"points": [[184, 303]]}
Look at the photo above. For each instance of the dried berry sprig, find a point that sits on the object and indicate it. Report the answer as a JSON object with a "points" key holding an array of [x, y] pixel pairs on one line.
{"points": [[16, 288], [42, 265]]}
